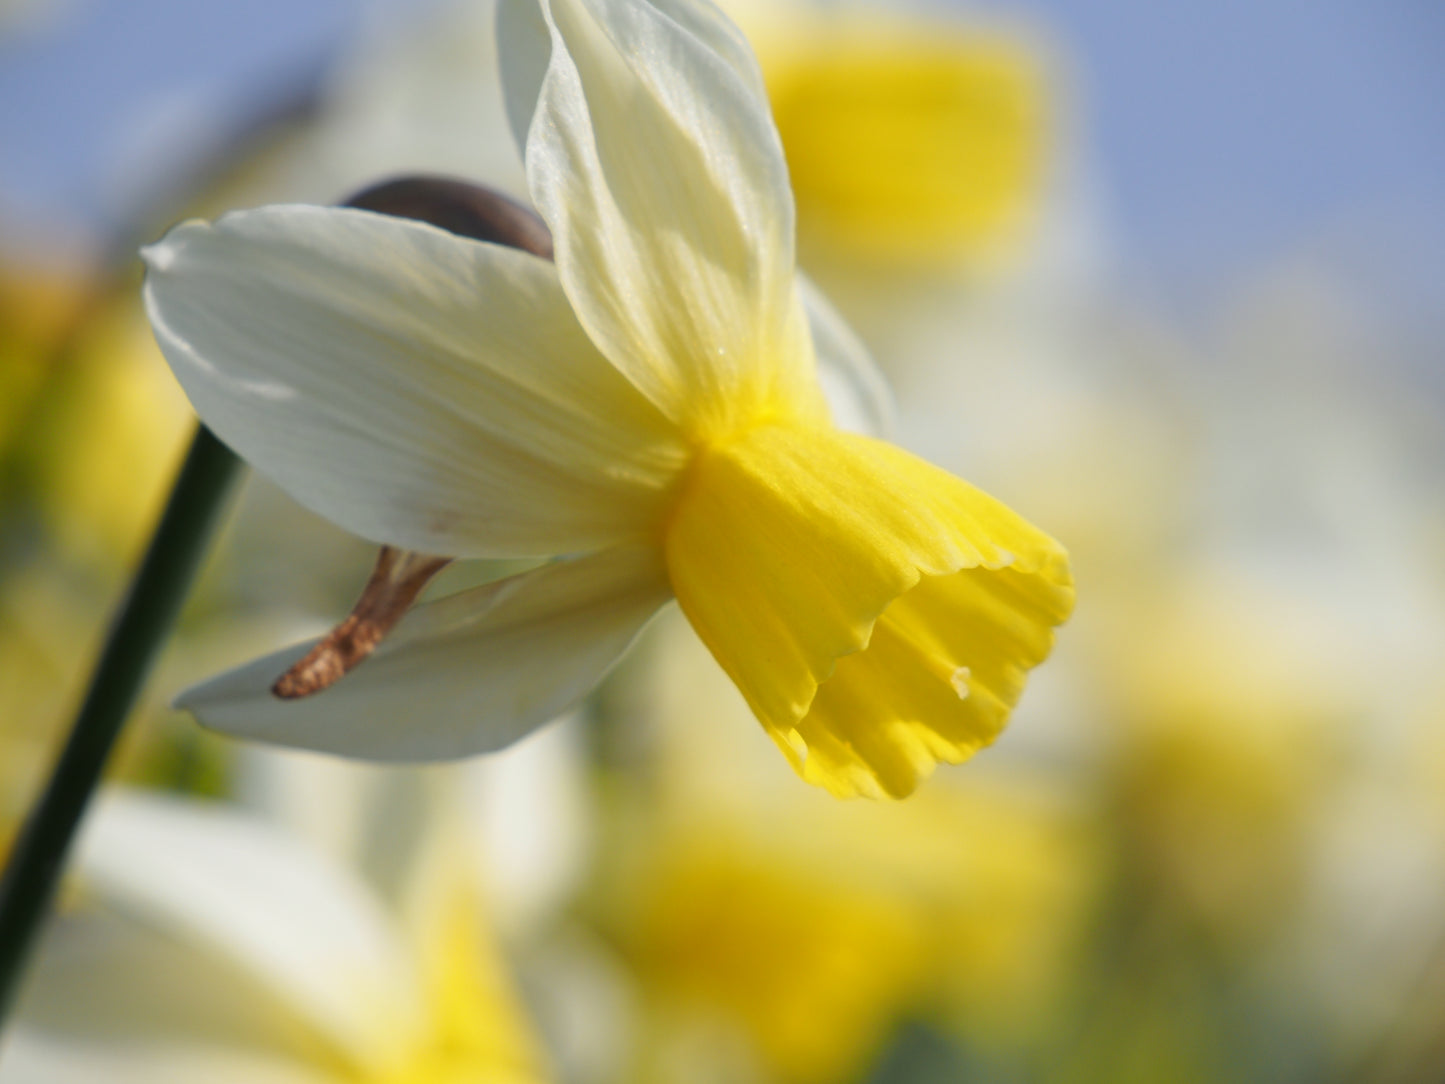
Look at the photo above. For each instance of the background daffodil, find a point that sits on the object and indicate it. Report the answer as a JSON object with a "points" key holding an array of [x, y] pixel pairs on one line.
{"points": [[209, 944], [649, 407]]}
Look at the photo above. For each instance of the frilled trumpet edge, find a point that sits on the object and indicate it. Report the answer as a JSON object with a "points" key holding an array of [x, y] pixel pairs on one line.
{"points": [[878, 614]]}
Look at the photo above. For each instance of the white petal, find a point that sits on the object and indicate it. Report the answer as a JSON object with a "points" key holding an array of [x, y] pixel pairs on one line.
{"points": [[291, 919], [522, 26], [319, 799], [528, 810], [419, 389], [470, 673], [31, 1058], [857, 391], [107, 976], [369, 817], [652, 155]]}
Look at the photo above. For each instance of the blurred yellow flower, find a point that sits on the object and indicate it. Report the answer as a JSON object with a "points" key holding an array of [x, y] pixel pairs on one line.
{"points": [[910, 139], [650, 406], [215, 947], [90, 419], [816, 934], [811, 969], [1228, 739], [762, 919], [112, 440], [38, 307], [44, 615]]}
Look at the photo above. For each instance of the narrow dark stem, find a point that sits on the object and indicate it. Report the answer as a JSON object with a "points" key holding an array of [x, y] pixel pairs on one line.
{"points": [[140, 628]]}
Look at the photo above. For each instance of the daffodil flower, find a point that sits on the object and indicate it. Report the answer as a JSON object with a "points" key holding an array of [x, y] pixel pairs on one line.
{"points": [[647, 410], [210, 945]]}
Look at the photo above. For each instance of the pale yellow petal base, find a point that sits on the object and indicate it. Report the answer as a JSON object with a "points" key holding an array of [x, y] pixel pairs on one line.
{"points": [[878, 614]]}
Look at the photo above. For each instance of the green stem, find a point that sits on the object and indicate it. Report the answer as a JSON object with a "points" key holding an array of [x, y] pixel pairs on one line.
{"points": [[140, 629]]}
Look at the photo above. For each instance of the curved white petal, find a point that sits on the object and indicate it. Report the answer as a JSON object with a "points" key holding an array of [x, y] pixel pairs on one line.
{"points": [[419, 389], [652, 155], [108, 976], [467, 674], [320, 800], [369, 817], [280, 911], [31, 1058], [528, 811], [857, 391], [528, 48]]}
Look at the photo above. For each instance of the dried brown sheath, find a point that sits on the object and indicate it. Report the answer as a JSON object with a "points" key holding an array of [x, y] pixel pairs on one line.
{"points": [[395, 582], [468, 210]]}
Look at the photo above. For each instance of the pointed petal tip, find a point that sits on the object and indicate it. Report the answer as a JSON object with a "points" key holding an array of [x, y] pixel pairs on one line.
{"points": [[160, 255]]}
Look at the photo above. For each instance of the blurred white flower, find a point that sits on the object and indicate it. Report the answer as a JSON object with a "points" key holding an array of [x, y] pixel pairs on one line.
{"points": [[212, 946], [525, 837]]}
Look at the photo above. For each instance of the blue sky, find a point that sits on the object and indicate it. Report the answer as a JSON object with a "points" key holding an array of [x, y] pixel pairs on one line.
{"points": [[1227, 132]]}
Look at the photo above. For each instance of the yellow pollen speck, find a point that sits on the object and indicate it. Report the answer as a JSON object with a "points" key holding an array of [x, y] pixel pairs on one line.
{"points": [[959, 681]]}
